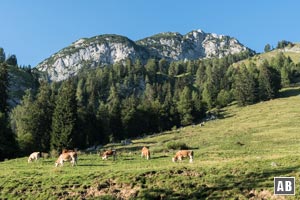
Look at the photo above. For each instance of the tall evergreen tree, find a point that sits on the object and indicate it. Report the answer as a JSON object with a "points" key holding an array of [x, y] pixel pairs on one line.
{"points": [[42, 120], [151, 69], [3, 88], [2, 55], [130, 118], [267, 48], [12, 60], [245, 87], [199, 109], [22, 120], [114, 110], [269, 82], [285, 76], [103, 122], [8, 145], [184, 107], [64, 121]]}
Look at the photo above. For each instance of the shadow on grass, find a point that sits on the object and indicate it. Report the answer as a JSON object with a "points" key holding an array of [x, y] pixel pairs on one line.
{"points": [[48, 161], [252, 180], [226, 186], [91, 165], [289, 92], [158, 157], [126, 158]]}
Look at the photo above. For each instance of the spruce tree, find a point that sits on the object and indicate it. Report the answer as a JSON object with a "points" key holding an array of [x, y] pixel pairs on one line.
{"points": [[12, 60], [103, 122], [130, 118], [8, 146], [114, 110], [3, 88], [267, 48], [184, 106], [42, 120], [2, 55], [269, 82], [22, 120], [245, 87], [64, 121]]}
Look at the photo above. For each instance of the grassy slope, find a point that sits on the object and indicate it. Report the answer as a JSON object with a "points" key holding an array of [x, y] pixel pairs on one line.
{"points": [[222, 169], [293, 53]]}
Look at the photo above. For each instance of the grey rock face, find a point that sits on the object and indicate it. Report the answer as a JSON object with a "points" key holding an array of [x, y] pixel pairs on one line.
{"points": [[108, 49]]}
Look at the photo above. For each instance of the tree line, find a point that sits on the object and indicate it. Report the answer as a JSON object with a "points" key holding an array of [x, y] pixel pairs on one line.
{"points": [[130, 99]]}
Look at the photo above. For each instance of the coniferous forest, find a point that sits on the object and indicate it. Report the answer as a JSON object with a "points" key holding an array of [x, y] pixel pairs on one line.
{"points": [[129, 99]]}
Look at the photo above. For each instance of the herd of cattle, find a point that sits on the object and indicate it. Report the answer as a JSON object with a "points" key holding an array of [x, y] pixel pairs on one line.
{"points": [[71, 156]]}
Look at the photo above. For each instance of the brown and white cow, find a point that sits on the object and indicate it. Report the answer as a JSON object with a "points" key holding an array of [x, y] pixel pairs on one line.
{"points": [[108, 153], [34, 156], [67, 156], [145, 152], [183, 154]]}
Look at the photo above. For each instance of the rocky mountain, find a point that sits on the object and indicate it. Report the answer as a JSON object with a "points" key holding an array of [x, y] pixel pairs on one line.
{"points": [[193, 45], [108, 49]]}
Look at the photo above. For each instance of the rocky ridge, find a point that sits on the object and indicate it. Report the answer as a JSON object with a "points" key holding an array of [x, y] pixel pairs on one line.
{"points": [[108, 49]]}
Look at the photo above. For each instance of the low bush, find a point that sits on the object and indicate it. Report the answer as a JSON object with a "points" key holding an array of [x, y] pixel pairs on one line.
{"points": [[177, 145]]}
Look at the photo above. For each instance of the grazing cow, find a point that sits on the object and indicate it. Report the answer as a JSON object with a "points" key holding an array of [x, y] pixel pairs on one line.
{"points": [[183, 154], [146, 153], [34, 156], [67, 156], [108, 153]]}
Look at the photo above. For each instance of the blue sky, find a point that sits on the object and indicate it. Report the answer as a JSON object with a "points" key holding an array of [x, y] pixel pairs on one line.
{"points": [[34, 29]]}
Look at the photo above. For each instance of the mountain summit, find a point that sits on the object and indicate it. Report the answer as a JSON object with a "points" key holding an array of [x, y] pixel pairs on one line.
{"points": [[109, 48]]}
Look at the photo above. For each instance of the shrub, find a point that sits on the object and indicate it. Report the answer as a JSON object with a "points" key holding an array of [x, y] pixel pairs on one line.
{"points": [[177, 145]]}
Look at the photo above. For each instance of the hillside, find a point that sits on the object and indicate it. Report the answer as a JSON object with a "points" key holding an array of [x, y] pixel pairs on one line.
{"points": [[241, 151], [292, 52], [109, 49]]}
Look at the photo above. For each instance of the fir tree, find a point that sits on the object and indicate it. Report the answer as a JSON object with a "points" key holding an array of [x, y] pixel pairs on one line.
{"points": [[267, 48], [103, 122], [245, 87], [269, 82], [64, 121], [8, 146], [114, 110], [22, 117], [2, 55], [184, 106], [3, 88], [42, 120]]}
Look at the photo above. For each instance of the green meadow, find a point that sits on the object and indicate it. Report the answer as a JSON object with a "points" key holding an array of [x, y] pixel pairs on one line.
{"points": [[237, 156]]}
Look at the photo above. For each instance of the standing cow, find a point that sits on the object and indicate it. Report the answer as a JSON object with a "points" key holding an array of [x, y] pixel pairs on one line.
{"points": [[145, 153], [183, 154]]}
